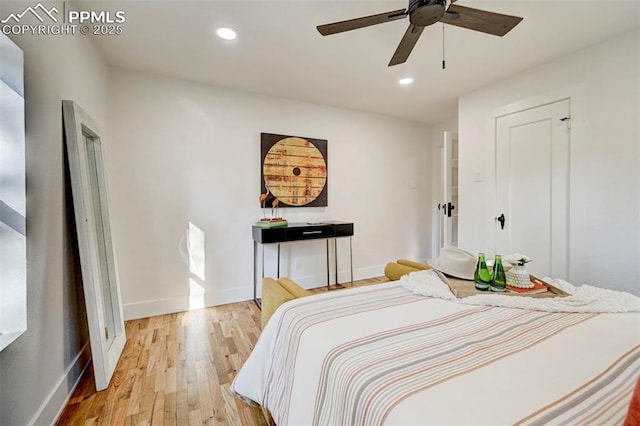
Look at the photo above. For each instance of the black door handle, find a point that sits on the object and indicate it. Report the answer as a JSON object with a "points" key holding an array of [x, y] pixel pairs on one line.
{"points": [[451, 207], [501, 219]]}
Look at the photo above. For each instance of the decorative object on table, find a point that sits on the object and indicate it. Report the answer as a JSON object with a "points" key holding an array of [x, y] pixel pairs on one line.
{"points": [[274, 205], [481, 275], [273, 221], [498, 279], [293, 170], [455, 262], [263, 199], [518, 276]]}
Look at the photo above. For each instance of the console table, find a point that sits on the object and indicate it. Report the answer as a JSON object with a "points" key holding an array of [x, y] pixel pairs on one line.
{"points": [[300, 232]]}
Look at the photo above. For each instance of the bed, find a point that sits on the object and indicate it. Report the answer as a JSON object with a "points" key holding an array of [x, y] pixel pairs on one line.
{"points": [[383, 354]]}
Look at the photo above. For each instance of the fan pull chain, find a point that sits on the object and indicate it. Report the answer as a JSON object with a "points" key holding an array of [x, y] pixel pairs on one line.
{"points": [[444, 65]]}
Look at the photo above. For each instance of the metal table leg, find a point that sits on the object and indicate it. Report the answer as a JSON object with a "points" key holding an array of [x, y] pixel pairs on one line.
{"points": [[278, 260], [351, 260], [255, 273], [335, 254], [328, 280]]}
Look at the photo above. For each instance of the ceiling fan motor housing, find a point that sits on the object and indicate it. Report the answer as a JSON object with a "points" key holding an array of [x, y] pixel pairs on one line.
{"points": [[426, 12]]}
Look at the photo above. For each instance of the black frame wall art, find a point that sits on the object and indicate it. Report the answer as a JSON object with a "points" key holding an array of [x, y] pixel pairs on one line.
{"points": [[293, 170]]}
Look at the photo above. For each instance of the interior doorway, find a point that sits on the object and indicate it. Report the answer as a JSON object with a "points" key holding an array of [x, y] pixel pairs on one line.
{"points": [[448, 192]]}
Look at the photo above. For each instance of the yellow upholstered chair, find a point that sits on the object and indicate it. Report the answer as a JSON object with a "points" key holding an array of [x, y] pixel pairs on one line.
{"points": [[277, 292]]}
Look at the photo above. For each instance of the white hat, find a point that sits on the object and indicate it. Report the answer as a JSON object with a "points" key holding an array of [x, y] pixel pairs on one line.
{"points": [[455, 262]]}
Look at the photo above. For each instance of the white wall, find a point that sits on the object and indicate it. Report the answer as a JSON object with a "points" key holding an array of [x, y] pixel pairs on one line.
{"points": [[604, 85], [183, 152], [40, 368]]}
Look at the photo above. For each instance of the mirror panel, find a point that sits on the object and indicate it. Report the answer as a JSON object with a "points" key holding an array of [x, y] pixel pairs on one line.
{"points": [[97, 259]]}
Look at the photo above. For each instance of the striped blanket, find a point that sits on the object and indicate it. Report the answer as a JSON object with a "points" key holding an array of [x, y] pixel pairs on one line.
{"points": [[382, 355]]}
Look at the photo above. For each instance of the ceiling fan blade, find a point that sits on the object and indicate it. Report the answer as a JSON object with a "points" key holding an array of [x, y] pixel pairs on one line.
{"points": [[406, 45], [366, 21], [480, 20]]}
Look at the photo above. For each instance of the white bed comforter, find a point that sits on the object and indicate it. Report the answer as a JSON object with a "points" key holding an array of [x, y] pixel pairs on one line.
{"points": [[383, 355]]}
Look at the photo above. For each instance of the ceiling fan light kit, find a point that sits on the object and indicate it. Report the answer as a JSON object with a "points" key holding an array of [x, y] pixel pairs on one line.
{"points": [[423, 13]]}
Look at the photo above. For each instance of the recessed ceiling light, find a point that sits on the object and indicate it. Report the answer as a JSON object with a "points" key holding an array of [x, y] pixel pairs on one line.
{"points": [[226, 33], [405, 81]]}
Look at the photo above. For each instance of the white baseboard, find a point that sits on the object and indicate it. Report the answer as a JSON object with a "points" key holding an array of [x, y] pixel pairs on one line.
{"points": [[57, 399], [149, 308]]}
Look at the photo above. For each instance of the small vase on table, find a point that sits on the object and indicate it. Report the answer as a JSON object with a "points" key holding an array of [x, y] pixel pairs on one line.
{"points": [[518, 276]]}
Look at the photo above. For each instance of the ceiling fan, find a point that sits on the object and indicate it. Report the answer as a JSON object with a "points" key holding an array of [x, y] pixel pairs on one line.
{"points": [[423, 13]]}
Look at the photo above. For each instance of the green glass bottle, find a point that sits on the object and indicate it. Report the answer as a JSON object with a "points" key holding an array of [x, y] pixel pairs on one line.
{"points": [[499, 279], [482, 277]]}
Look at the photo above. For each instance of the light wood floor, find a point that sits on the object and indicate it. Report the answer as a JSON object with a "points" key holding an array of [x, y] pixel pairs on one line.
{"points": [[176, 369]]}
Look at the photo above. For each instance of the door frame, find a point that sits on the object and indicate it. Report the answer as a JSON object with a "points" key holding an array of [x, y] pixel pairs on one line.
{"points": [[446, 186], [437, 153]]}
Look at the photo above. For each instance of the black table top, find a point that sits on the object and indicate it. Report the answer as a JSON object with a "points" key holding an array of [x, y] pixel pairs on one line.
{"points": [[302, 231]]}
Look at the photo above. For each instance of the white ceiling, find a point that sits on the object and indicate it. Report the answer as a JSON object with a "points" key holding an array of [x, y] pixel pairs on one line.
{"points": [[279, 52]]}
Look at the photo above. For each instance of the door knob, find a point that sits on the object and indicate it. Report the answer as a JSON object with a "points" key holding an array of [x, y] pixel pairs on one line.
{"points": [[451, 207], [501, 219]]}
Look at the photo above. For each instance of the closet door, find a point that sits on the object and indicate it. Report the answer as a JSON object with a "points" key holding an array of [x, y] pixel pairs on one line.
{"points": [[532, 176]]}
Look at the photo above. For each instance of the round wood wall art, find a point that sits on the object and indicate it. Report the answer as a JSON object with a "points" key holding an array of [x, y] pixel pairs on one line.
{"points": [[294, 170]]}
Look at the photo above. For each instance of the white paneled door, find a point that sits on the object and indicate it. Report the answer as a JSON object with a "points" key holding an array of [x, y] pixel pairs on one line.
{"points": [[532, 149]]}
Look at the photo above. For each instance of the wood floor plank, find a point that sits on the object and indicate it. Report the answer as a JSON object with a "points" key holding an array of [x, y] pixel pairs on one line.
{"points": [[157, 410], [137, 392], [229, 404], [177, 369], [195, 419], [107, 412], [206, 400], [170, 415], [182, 407], [90, 422], [119, 412]]}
